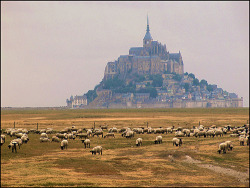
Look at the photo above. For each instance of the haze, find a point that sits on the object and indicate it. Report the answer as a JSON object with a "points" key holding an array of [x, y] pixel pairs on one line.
{"points": [[52, 50]]}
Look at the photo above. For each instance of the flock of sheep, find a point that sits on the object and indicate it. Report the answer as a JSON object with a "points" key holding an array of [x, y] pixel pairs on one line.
{"points": [[62, 137]]}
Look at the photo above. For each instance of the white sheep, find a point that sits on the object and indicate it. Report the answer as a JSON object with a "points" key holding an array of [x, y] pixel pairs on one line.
{"points": [[19, 142], [129, 134], [222, 147], [3, 137], [138, 142], [13, 145], [109, 135], [229, 145], [55, 139], [218, 132], [89, 132], [86, 143], [64, 144], [97, 149], [177, 142], [44, 135], [158, 140], [25, 138], [2, 141], [97, 133], [44, 139], [210, 133], [179, 134], [242, 140]]}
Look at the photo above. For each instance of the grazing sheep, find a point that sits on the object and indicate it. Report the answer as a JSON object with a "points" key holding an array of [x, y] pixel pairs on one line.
{"points": [[186, 132], [55, 139], [242, 140], [218, 132], [229, 145], [177, 141], [44, 135], [210, 133], [97, 149], [71, 136], [44, 139], [3, 137], [138, 142], [158, 140], [64, 144], [86, 143], [179, 134], [169, 130], [49, 131], [109, 135], [19, 142], [129, 134], [25, 138], [222, 147], [200, 133], [158, 131], [2, 141], [97, 133], [104, 127], [89, 132], [150, 130], [13, 145]]}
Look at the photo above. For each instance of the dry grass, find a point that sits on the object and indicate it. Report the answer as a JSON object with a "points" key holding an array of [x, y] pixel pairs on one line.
{"points": [[122, 163]]}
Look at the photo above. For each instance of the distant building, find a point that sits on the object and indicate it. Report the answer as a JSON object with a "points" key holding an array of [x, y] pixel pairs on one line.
{"points": [[77, 101]]}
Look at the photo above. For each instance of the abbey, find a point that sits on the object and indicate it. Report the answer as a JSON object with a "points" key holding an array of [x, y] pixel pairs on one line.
{"points": [[152, 58]]}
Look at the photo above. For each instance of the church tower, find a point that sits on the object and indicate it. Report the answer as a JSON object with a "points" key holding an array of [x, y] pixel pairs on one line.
{"points": [[147, 39]]}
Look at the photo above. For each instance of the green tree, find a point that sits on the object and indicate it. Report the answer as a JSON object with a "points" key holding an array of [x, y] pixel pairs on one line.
{"points": [[91, 95], [157, 80], [186, 87], [196, 82], [191, 75], [203, 83]]}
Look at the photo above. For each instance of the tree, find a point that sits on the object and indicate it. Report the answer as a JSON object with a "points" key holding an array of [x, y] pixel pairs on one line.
{"points": [[157, 80], [186, 87], [191, 75], [203, 83], [196, 82], [91, 95], [177, 77]]}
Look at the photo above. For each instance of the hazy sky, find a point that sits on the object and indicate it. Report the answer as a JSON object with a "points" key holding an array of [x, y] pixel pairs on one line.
{"points": [[52, 50]]}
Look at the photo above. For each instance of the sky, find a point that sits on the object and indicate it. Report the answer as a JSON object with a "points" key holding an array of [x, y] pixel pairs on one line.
{"points": [[52, 50]]}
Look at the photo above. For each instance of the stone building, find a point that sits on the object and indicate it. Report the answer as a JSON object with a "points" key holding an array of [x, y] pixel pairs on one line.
{"points": [[77, 101], [151, 58]]}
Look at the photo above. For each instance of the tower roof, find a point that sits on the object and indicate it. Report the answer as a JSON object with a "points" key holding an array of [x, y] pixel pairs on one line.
{"points": [[148, 35]]}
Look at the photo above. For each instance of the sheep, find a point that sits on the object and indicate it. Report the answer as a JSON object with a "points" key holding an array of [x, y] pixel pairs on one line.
{"points": [[71, 136], [55, 139], [64, 144], [242, 140], [13, 145], [97, 133], [104, 127], [218, 132], [44, 135], [109, 135], [179, 134], [247, 140], [210, 133], [177, 141], [89, 132], [2, 141], [62, 136], [150, 130], [19, 142], [169, 130], [158, 130], [49, 131], [229, 145], [3, 137], [82, 135], [222, 146], [200, 133], [186, 132], [44, 139], [129, 134], [25, 138], [97, 149], [86, 143], [138, 142], [158, 140]]}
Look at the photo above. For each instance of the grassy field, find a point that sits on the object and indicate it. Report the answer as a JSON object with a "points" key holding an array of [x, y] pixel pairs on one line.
{"points": [[122, 163]]}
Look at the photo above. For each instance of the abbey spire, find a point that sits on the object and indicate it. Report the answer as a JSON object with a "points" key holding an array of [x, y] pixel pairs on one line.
{"points": [[147, 39]]}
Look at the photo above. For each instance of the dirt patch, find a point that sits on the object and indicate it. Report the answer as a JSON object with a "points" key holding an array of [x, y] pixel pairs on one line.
{"points": [[241, 176]]}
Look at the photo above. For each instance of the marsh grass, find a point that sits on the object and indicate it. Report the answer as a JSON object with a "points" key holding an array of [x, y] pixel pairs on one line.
{"points": [[122, 163]]}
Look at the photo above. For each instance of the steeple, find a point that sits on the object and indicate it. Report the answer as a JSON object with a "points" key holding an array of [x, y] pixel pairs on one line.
{"points": [[147, 39]]}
